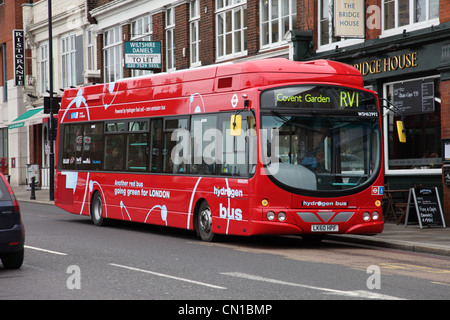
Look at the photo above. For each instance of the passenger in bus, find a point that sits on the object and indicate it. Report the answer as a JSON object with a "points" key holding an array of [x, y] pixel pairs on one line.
{"points": [[114, 160]]}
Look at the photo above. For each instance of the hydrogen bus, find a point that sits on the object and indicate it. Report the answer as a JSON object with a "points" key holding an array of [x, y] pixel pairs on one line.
{"points": [[259, 147]]}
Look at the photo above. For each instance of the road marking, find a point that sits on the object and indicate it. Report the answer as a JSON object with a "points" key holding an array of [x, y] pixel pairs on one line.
{"points": [[168, 276], [356, 294], [411, 267], [45, 250], [440, 283]]}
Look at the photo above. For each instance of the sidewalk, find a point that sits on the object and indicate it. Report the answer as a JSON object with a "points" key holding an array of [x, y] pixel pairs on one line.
{"points": [[23, 193], [432, 240]]}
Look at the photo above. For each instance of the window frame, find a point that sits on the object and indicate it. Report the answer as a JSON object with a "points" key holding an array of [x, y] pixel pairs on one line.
{"points": [[169, 27], [331, 45], [90, 50], [292, 16], [194, 33], [140, 33], [411, 25], [112, 53], [223, 8], [388, 137], [68, 61], [44, 78]]}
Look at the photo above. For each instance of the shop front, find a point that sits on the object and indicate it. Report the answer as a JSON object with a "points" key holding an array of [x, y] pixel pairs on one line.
{"points": [[408, 70]]}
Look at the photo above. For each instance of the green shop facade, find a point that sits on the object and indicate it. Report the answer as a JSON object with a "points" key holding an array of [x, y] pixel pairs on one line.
{"points": [[412, 71]]}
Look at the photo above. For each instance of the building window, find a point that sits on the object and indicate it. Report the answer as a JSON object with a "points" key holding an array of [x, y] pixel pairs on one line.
{"points": [[90, 50], [277, 17], [409, 13], [327, 40], [44, 77], [420, 104], [68, 67], [231, 28], [325, 22], [113, 54], [194, 21], [141, 30], [170, 40]]}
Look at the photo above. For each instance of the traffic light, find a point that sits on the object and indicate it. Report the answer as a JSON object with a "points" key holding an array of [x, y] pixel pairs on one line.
{"points": [[56, 101]]}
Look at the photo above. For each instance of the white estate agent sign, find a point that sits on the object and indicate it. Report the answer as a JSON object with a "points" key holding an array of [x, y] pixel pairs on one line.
{"points": [[349, 18], [143, 54]]}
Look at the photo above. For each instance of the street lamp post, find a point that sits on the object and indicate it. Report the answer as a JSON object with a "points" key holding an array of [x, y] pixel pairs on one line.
{"points": [[50, 131]]}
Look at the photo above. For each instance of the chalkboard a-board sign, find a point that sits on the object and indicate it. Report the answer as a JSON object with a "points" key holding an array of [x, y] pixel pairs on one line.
{"points": [[428, 206]]}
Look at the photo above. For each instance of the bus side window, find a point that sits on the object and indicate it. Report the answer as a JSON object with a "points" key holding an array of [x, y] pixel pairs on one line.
{"points": [[173, 127], [156, 151], [236, 159], [204, 145], [114, 152], [137, 145], [136, 152], [82, 146]]}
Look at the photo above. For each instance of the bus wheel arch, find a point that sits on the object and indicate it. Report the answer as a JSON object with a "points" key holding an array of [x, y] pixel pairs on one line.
{"points": [[97, 209], [203, 221]]}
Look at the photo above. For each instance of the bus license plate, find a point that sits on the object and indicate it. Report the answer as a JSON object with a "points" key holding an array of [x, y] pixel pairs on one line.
{"points": [[324, 228]]}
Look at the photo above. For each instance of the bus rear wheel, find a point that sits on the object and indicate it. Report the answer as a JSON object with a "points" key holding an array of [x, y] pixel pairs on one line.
{"points": [[204, 223], [97, 210]]}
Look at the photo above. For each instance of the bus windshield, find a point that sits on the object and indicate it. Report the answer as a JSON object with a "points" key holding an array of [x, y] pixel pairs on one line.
{"points": [[320, 138]]}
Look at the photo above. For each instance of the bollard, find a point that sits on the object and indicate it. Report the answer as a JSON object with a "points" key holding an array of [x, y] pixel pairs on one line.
{"points": [[33, 189]]}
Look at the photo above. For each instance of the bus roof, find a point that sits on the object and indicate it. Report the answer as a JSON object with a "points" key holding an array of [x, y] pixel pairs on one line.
{"points": [[220, 78]]}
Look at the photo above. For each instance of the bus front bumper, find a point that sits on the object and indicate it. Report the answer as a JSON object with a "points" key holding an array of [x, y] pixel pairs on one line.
{"points": [[269, 227]]}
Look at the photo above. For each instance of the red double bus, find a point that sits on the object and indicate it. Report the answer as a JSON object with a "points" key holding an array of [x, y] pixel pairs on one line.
{"points": [[259, 147]]}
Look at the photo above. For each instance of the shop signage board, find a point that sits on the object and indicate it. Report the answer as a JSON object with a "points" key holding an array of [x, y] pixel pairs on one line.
{"points": [[349, 18], [143, 55], [414, 97], [428, 206]]}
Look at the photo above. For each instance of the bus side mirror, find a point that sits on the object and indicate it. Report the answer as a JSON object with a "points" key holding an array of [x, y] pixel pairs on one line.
{"points": [[235, 125], [401, 131]]}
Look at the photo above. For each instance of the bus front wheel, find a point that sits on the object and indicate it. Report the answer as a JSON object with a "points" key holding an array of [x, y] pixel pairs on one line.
{"points": [[97, 210], [204, 223]]}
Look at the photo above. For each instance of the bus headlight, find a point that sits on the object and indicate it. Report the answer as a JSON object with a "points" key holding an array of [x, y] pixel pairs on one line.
{"points": [[270, 215], [366, 216], [281, 216], [375, 215]]}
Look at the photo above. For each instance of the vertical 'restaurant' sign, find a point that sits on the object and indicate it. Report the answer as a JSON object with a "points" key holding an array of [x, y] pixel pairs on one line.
{"points": [[19, 58]]}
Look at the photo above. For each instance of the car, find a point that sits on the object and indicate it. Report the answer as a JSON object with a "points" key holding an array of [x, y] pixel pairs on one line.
{"points": [[12, 231]]}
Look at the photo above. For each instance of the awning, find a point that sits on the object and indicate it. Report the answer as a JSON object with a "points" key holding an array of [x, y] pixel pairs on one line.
{"points": [[32, 116]]}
